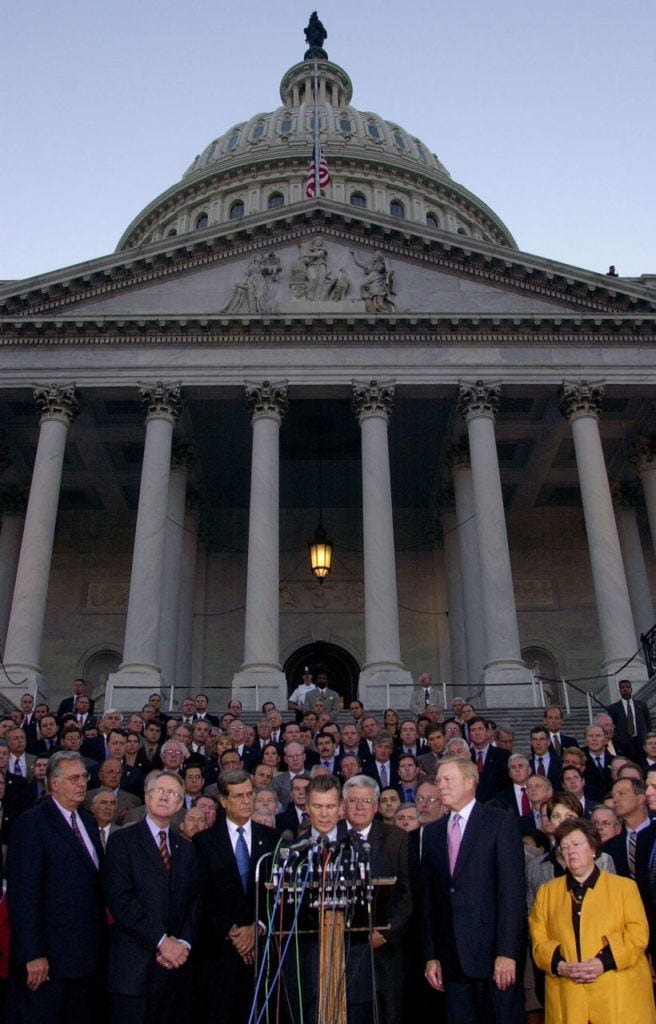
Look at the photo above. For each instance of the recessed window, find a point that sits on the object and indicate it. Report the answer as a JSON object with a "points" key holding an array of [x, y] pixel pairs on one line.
{"points": [[171, 233], [398, 141], [236, 210], [373, 131], [201, 221], [313, 123], [286, 125], [276, 199], [461, 231], [396, 209], [357, 199], [431, 220], [258, 132], [345, 124], [233, 140], [420, 152]]}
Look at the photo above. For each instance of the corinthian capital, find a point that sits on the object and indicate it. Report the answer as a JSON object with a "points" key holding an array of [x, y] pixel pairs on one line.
{"points": [[457, 453], [267, 399], [56, 402], [643, 453], [581, 398], [373, 399], [161, 398], [479, 399]]}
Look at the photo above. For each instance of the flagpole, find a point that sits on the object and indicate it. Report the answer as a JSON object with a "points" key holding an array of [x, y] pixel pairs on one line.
{"points": [[317, 187]]}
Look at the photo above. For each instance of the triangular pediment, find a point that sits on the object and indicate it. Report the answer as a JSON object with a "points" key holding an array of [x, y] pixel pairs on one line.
{"points": [[310, 269]]}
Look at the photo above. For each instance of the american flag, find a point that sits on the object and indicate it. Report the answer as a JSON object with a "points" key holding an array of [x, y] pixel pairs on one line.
{"points": [[324, 176]]}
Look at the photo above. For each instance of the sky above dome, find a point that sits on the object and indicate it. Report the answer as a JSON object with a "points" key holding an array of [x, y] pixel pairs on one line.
{"points": [[543, 111]]}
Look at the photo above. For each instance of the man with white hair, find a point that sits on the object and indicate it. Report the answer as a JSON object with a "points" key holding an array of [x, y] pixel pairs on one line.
{"points": [[423, 695]]}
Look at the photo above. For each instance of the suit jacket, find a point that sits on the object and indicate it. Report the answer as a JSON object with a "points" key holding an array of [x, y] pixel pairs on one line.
{"points": [[124, 803], [600, 781], [565, 741], [506, 801], [223, 900], [41, 748], [371, 772], [418, 699], [51, 875], [494, 777], [429, 763], [146, 902], [67, 707], [555, 769], [642, 721], [207, 717], [467, 919], [616, 847], [331, 697], [287, 821], [30, 760]]}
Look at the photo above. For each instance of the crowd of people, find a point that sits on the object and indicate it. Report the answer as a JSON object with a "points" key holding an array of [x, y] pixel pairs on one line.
{"points": [[131, 842]]}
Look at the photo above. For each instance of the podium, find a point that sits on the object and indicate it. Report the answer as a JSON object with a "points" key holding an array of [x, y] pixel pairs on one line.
{"points": [[320, 898]]}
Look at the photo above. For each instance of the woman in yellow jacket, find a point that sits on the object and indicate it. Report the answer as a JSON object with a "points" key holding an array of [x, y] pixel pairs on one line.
{"points": [[589, 933]]}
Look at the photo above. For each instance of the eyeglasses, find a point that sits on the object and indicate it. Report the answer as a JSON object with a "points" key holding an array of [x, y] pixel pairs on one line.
{"points": [[166, 794], [80, 777], [366, 801], [426, 799]]}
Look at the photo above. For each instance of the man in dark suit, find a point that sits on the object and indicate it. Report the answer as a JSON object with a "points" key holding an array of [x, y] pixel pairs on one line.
{"points": [[53, 861], [152, 895], [383, 769], [631, 718], [598, 760], [631, 849], [201, 713], [542, 761], [227, 855], [474, 858], [67, 706], [558, 741], [294, 815], [491, 762], [389, 859], [514, 797], [48, 740]]}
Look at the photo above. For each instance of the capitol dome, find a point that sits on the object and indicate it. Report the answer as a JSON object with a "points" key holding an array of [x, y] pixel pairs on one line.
{"points": [[261, 165]]}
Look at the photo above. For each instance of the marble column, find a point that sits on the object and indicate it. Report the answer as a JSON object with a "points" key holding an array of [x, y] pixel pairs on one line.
{"points": [[506, 678], [441, 614], [581, 403], [57, 406], [12, 509], [384, 681], [181, 462], [457, 680], [140, 671], [260, 677], [187, 599], [457, 458], [643, 457], [642, 607]]}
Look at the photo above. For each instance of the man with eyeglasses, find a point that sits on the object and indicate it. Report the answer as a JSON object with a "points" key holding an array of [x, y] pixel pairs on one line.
{"points": [[109, 775], [55, 903], [227, 856], [389, 859], [151, 888]]}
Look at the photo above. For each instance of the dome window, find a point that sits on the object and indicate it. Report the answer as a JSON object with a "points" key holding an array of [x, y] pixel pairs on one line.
{"points": [[275, 201], [373, 131], [432, 221], [357, 199], [258, 132], [345, 124], [313, 123], [398, 141], [232, 141], [420, 152], [202, 221], [236, 210], [171, 233], [396, 209], [286, 125]]}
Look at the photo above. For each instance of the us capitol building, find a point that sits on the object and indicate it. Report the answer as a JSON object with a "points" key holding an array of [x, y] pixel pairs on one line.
{"points": [[469, 424]]}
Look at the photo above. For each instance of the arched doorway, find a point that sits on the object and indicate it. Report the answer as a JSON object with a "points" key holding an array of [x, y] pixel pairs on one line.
{"points": [[543, 664], [343, 670], [95, 670]]}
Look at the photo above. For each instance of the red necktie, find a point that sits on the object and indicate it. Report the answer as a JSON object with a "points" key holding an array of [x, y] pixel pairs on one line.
{"points": [[541, 770], [479, 762], [164, 850], [526, 807]]}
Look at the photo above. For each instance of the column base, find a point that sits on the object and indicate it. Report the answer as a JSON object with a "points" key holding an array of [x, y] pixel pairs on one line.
{"points": [[130, 687], [635, 672], [508, 684], [385, 686], [24, 679], [253, 685]]}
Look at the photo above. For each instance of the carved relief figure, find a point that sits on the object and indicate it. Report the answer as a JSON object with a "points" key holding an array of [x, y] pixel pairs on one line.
{"points": [[311, 278], [378, 284], [253, 294], [316, 269]]}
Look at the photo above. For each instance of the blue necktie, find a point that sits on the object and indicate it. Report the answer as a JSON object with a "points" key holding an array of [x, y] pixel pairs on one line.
{"points": [[243, 859]]}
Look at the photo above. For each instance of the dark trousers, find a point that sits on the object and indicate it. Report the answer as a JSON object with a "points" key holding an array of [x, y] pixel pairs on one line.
{"points": [[58, 1001], [166, 1001], [479, 1001]]}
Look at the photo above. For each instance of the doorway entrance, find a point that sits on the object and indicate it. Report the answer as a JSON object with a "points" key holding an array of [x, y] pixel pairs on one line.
{"points": [[343, 670]]}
